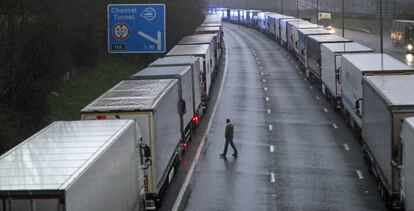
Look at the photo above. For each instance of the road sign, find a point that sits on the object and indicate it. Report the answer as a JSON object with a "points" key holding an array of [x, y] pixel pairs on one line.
{"points": [[136, 28]]}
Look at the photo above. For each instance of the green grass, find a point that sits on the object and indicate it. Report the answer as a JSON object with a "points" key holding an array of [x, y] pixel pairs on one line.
{"points": [[86, 86], [369, 25]]}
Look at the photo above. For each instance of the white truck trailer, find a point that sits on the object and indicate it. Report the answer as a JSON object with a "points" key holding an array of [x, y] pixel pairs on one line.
{"points": [[154, 104], [210, 39], [75, 166], [197, 69], [388, 100], [354, 67], [313, 54], [300, 42], [407, 168], [205, 52], [186, 93], [331, 55]]}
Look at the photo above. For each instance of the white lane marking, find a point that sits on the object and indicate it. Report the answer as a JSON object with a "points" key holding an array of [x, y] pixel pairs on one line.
{"points": [[305, 79], [267, 99], [272, 148], [265, 89], [203, 141], [310, 87], [257, 58], [272, 177], [346, 147], [270, 127], [260, 67], [261, 73], [317, 98], [325, 109], [264, 80], [268, 111], [360, 174], [258, 62], [335, 126]]}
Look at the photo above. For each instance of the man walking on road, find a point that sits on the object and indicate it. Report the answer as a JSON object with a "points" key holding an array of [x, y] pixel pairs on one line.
{"points": [[229, 139]]}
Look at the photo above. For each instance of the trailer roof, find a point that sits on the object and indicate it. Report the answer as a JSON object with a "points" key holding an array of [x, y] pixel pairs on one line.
{"points": [[164, 71], [328, 38], [410, 121], [376, 62], [175, 60], [208, 28], [53, 158], [189, 50], [198, 39], [212, 24], [131, 95], [397, 90], [347, 47], [314, 31]]}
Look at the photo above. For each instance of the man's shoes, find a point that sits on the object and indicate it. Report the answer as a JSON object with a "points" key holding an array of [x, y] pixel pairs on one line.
{"points": [[222, 155], [235, 155]]}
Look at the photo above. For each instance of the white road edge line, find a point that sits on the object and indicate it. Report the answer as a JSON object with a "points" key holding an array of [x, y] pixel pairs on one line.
{"points": [[272, 148], [272, 177], [346, 147], [203, 141], [270, 127], [359, 174]]}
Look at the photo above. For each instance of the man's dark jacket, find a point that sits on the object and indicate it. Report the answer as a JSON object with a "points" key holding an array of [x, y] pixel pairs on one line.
{"points": [[229, 131]]}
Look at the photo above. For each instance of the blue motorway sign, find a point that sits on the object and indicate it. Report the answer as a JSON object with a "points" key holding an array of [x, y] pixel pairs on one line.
{"points": [[136, 28]]}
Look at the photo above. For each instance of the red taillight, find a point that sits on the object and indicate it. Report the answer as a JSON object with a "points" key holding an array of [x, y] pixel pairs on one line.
{"points": [[101, 117], [183, 145], [195, 118]]}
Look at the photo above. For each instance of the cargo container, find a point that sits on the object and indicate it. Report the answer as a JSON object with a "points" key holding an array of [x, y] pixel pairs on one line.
{"points": [[252, 18], [303, 35], [354, 67], [331, 67], [292, 32], [203, 51], [155, 105], [313, 55], [407, 169], [185, 82], [212, 30], [283, 29], [210, 39], [75, 166], [271, 25], [276, 19], [388, 99], [197, 68], [262, 22]]}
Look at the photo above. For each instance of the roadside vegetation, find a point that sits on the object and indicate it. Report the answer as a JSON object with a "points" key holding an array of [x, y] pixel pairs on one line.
{"points": [[54, 60]]}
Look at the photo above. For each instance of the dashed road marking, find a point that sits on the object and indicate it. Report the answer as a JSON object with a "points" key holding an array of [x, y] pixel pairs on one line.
{"points": [[325, 109], [270, 127], [310, 87], [261, 73], [360, 174], [268, 111], [272, 148], [265, 89], [267, 99], [260, 67], [346, 147], [264, 80], [272, 177], [335, 126], [317, 98]]}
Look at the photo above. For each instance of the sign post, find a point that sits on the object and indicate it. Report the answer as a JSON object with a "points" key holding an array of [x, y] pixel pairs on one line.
{"points": [[136, 28]]}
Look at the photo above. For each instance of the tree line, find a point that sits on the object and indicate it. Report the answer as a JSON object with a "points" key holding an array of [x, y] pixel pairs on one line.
{"points": [[42, 40]]}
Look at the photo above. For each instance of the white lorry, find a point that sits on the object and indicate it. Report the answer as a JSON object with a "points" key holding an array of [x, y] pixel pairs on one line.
{"points": [[354, 67], [155, 106], [75, 166], [331, 56], [388, 100]]}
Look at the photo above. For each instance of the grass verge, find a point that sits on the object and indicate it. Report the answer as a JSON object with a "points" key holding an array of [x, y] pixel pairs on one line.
{"points": [[66, 102]]}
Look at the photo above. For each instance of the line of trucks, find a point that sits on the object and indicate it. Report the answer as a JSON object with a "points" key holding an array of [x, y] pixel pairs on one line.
{"points": [[373, 91], [125, 150]]}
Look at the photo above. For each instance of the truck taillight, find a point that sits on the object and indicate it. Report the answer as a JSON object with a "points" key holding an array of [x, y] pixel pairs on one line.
{"points": [[195, 118], [183, 145], [101, 117]]}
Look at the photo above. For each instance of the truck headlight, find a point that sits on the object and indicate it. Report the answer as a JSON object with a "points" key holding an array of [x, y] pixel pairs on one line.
{"points": [[410, 47]]}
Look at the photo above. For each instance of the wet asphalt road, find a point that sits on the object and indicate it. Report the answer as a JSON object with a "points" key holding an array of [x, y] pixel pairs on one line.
{"points": [[374, 42], [295, 152]]}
